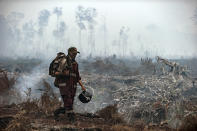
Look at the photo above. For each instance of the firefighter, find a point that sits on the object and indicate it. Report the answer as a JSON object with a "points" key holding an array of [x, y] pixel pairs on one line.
{"points": [[67, 76]]}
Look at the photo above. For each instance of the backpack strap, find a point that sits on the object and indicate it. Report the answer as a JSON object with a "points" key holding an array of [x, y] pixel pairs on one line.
{"points": [[69, 63]]}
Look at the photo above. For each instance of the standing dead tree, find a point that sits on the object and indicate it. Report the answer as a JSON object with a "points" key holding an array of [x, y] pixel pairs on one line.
{"points": [[123, 40], [87, 16]]}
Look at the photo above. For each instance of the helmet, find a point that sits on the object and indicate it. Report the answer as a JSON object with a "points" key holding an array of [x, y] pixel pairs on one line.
{"points": [[73, 50], [85, 97]]}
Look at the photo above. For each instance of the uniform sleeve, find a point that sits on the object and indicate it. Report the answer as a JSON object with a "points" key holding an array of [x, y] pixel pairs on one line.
{"points": [[78, 75]]}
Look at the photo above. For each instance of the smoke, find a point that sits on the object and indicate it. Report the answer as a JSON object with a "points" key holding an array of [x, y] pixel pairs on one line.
{"points": [[85, 15], [29, 31], [9, 32], [101, 94], [123, 40], [58, 11], [81, 25], [103, 29], [14, 18], [4, 33], [45, 32], [61, 30], [33, 79], [43, 20], [80, 18], [194, 18], [124, 33]]}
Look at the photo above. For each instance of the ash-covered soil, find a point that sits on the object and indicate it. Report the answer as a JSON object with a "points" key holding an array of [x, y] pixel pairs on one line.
{"points": [[127, 95], [16, 117]]}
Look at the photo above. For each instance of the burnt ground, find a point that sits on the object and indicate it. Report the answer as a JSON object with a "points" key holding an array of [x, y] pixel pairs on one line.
{"points": [[105, 77], [13, 118]]}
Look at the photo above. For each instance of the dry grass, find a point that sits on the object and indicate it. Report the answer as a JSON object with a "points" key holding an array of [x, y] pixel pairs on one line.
{"points": [[43, 106], [6, 83], [46, 105], [48, 100], [122, 128], [111, 115], [7, 92], [189, 123], [49, 104], [30, 106], [139, 125], [20, 123]]}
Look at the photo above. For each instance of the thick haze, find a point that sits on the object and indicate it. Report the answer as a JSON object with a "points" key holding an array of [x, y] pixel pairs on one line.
{"points": [[40, 29]]}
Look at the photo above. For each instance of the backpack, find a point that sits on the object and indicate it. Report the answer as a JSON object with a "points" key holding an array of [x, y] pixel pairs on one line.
{"points": [[55, 64]]}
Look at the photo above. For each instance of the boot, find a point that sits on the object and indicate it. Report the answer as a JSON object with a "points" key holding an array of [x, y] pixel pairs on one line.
{"points": [[71, 116], [61, 110]]}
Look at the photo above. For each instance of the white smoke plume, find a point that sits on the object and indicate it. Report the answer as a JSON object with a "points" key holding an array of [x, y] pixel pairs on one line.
{"points": [[43, 20], [43, 33]]}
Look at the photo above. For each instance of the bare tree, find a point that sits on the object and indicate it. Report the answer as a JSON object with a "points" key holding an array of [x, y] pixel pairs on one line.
{"points": [[104, 35], [79, 15], [59, 33], [13, 20], [123, 39], [58, 12], [194, 18], [29, 34], [43, 20], [42, 23], [88, 16]]}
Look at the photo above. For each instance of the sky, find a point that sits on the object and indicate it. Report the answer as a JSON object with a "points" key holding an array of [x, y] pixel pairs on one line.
{"points": [[125, 28]]}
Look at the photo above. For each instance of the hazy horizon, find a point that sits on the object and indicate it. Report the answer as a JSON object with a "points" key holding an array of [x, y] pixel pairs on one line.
{"points": [[130, 28]]}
